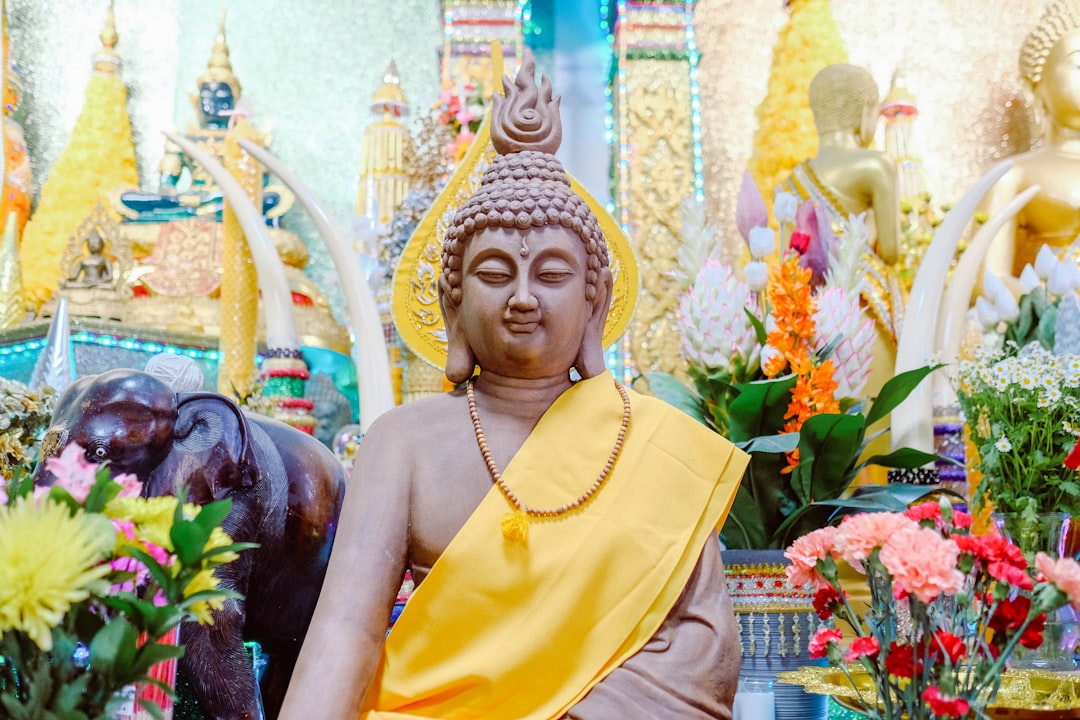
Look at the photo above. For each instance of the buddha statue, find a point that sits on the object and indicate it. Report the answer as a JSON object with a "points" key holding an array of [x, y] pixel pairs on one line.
{"points": [[92, 269], [848, 177], [1050, 73], [186, 190], [510, 534]]}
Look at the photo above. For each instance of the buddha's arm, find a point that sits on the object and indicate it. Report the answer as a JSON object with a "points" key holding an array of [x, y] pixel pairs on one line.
{"points": [[171, 167], [343, 644], [884, 183], [1002, 252], [690, 667]]}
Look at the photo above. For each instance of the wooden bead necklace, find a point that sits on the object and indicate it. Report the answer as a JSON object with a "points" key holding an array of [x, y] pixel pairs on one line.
{"points": [[515, 525]]}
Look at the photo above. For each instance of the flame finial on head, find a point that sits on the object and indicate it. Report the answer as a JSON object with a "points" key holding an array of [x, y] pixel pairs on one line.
{"points": [[527, 118]]}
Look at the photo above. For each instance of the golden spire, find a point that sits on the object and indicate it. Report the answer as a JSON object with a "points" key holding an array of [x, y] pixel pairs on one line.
{"points": [[390, 98], [219, 68], [107, 60]]}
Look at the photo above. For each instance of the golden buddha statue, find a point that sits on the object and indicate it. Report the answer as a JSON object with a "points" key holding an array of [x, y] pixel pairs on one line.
{"points": [[848, 177], [1050, 70]]}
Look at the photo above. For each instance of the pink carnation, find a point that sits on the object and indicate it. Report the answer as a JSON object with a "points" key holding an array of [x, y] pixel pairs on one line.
{"points": [[863, 647], [819, 644], [859, 534], [3, 497], [1064, 573], [1010, 574], [804, 554], [922, 562], [73, 471], [130, 486]]}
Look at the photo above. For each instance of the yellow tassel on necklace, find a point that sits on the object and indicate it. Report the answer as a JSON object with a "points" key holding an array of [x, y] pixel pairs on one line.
{"points": [[515, 527]]}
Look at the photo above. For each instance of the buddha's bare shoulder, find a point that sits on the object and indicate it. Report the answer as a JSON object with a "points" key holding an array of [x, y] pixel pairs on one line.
{"points": [[427, 417]]}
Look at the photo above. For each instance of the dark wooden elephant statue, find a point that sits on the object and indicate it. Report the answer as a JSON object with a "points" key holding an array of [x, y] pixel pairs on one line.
{"points": [[286, 490]]}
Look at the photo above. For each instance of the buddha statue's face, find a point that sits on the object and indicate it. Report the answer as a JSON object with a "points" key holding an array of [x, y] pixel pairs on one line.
{"points": [[523, 306], [95, 244], [215, 100], [1059, 89]]}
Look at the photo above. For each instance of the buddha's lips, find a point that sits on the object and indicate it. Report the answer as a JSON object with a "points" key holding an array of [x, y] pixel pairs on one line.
{"points": [[519, 323]]}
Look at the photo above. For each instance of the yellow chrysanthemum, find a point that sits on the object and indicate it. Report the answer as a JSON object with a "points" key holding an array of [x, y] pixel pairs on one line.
{"points": [[49, 560], [153, 517], [785, 135], [220, 538], [205, 580]]}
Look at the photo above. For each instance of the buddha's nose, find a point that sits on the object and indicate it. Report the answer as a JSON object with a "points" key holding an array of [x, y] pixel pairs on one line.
{"points": [[523, 299]]}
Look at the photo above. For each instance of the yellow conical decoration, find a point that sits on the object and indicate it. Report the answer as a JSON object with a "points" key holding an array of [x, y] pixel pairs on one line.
{"points": [[12, 307], [785, 135], [99, 157], [239, 280]]}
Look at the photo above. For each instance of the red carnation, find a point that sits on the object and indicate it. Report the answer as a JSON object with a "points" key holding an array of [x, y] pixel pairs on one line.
{"points": [[901, 660], [862, 647], [943, 706], [1072, 460], [1010, 574], [948, 645], [819, 644], [800, 242], [825, 600]]}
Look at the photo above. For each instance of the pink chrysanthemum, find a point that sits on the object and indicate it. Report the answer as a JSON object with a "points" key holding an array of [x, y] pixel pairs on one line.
{"points": [[73, 471]]}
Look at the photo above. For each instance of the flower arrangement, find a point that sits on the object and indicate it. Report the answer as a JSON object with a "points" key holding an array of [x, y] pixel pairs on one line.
{"points": [[778, 365], [92, 578], [460, 108], [948, 607], [1021, 405]]}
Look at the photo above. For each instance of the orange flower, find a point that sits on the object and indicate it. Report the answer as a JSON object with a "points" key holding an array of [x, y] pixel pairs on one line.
{"points": [[793, 308]]}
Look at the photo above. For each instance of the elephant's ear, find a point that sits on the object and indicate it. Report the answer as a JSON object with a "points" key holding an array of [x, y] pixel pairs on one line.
{"points": [[213, 432]]}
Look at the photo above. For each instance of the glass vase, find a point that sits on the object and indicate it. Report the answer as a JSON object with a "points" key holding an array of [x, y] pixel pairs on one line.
{"points": [[1055, 535]]}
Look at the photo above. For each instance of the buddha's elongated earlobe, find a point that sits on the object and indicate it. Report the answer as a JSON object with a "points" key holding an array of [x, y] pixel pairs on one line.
{"points": [[590, 359], [460, 361]]}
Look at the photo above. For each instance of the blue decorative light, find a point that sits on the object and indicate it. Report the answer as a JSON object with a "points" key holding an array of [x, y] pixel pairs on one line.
{"points": [[695, 103]]}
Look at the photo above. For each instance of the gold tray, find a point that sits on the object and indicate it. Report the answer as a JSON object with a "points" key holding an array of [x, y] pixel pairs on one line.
{"points": [[1024, 694]]}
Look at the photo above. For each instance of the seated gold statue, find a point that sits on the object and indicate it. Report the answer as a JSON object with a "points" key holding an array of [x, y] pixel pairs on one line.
{"points": [[93, 269], [1050, 70], [562, 534]]}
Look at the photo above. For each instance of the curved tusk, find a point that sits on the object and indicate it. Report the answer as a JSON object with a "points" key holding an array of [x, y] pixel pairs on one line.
{"points": [[277, 298], [373, 371], [912, 421], [953, 312]]}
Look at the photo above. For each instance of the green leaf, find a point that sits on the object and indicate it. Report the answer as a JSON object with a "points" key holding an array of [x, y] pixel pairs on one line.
{"points": [[903, 458], [759, 408], [895, 391], [782, 443], [151, 654], [759, 329], [189, 538], [213, 514], [673, 392], [235, 547], [829, 444], [760, 505], [114, 647]]}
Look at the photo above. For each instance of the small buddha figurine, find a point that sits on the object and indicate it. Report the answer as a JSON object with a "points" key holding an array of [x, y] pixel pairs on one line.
{"points": [[1050, 72], [219, 93], [93, 269]]}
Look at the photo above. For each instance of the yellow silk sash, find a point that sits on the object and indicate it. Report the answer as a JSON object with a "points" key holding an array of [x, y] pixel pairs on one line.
{"points": [[501, 630]]}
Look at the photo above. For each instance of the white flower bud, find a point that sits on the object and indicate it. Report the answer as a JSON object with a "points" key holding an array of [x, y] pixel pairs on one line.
{"points": [[1029, 279], [988, 315], [757, 275], [1058, 282], [1045, 262], [784, 206], [992, 286], [762, 242], [1006, 306], [1073, 275]]}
